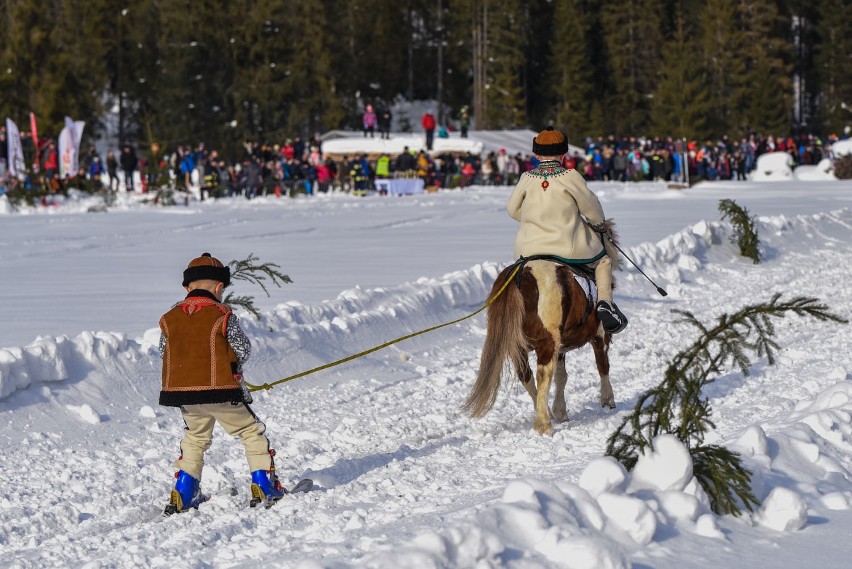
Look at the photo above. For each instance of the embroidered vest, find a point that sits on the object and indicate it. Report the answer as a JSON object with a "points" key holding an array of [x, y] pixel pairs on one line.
{"points": [[197, 356]]}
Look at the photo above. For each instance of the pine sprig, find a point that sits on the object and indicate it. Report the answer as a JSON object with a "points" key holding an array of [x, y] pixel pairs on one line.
{"points": [[745, 233], [246, 302], [250, 270], [676, 406], [725, 480]]}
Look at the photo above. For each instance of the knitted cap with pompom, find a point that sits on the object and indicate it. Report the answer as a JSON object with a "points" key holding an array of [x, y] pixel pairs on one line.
{"points": [[550, 142]]}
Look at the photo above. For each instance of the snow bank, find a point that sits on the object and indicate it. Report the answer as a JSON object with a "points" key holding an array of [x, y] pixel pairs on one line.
{"points": [[611, 513], [51, 359], [773, 167], [592, 524], [820, 172], [842, 147], [358, 319], [678, 257]]}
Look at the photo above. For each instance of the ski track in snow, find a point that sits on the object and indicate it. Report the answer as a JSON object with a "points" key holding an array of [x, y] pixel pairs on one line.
{"points": [[388, 448]]}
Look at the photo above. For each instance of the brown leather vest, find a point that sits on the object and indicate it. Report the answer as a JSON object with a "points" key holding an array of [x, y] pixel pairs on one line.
{"points": [[197, 356]]}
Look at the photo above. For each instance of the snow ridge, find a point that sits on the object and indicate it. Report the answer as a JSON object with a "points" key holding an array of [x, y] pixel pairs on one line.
{"points": [[676, 257], [305, 332]]}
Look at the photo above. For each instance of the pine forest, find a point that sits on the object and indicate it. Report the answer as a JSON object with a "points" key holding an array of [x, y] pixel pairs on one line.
{"points": [[224, 72]]}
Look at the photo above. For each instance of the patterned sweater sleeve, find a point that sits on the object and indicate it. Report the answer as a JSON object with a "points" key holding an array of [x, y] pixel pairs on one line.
{"points": [[238, 340]]}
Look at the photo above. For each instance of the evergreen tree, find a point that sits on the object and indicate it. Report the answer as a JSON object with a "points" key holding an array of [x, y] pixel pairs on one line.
{"points": [[570, 77], [309, 91], [123, 58], [504, 89], [632, 31], [460, 57], [766, 76], [42, 70], [834, 64], [679, 107], [722, 56], [368, 60], [195, 70]]}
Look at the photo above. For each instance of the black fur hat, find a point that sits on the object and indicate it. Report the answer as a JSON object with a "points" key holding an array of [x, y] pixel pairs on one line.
{"points": [[550, 142], [206, 267]]}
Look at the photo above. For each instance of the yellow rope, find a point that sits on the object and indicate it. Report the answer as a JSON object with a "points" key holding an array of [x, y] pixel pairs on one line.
{"points": [[267, 386]]}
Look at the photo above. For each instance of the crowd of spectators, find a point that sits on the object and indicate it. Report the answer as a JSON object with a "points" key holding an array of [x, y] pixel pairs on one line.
{"points": [[300, 166]]}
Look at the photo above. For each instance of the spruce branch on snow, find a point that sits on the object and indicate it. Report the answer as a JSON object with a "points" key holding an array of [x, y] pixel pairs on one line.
{"points": [[745, 234], [676, 406], [251, 270]]}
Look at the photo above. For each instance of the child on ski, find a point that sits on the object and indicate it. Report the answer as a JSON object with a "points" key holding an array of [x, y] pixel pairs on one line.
{"points": [[204, 349]]}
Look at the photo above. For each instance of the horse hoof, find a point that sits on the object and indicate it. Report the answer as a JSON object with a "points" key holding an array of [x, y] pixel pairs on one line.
{"points": [[545, 431], [560, 417], [610, 404]]}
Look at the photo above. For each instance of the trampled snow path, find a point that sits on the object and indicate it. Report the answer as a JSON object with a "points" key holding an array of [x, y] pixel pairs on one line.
{"points": [[404, 479]]}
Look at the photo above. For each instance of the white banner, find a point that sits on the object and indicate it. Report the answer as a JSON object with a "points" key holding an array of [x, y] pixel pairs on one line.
{"points": [[69, 147], [15, 159]]}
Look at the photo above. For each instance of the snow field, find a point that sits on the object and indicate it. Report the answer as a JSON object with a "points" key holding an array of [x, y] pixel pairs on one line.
{"points": [[405, 480]]}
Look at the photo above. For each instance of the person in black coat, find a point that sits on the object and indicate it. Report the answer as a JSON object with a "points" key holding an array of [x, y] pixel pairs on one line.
{"points": [[128, 162]]}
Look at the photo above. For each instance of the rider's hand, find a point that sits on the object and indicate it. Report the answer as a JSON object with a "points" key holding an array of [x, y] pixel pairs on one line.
{"points": [[600, 227]]}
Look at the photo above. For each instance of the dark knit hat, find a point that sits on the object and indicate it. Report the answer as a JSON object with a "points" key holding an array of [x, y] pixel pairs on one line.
{"points": [[550, 142], [206, 267]]}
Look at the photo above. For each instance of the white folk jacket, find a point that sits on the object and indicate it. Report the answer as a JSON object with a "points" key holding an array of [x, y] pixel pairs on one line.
{"points": [[548, 202]]}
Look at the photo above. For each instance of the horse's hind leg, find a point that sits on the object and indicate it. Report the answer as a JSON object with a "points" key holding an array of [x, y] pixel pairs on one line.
{"points": [[525, 375], [560, 377], [544, 377], [601, 348]]}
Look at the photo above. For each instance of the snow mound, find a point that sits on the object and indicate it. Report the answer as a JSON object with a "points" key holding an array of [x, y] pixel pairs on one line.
{"points": [[820, 172], [773, 167], [612, 513], [577, 526], [51, 359], [842, 147]]}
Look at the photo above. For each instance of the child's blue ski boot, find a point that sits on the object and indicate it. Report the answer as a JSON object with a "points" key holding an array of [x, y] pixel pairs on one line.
{"points": [[186, 494], [265, 488]]}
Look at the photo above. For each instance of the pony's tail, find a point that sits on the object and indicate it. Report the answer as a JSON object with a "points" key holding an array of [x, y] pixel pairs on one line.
{"points": [[504, 340]]}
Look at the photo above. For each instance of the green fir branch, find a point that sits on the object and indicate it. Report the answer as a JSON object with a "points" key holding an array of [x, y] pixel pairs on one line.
{"points": [[246, 302], [676, 405], [251, 270], [745, 233], [724, 479]]}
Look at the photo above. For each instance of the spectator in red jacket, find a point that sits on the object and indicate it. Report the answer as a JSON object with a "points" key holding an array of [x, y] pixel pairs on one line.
{"points": [[51, 160], [428, 123]]}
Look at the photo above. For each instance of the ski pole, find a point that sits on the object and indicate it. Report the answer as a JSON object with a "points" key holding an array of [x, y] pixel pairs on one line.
{"points": [[620, 250]]}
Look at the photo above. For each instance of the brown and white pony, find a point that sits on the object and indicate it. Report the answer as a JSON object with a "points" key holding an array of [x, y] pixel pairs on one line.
{"points": [[545, 311]]}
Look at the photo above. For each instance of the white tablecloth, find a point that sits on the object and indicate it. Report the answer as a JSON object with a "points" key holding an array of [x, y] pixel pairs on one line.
{"points": [[400, 186]]}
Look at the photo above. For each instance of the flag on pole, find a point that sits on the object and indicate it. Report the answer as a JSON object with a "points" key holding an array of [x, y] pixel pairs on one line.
{"points": [[15, 158], [34, 133], [69, 147]]}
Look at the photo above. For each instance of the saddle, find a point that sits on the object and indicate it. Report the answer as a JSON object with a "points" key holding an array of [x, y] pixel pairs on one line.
{"points": [[582, 271]]}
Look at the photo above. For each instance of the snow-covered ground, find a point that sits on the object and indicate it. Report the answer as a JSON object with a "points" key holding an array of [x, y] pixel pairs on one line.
{"points": [[404, 479]]}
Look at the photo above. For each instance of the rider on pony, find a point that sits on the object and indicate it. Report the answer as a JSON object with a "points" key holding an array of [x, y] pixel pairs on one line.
{"points": [[560, 217]]}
